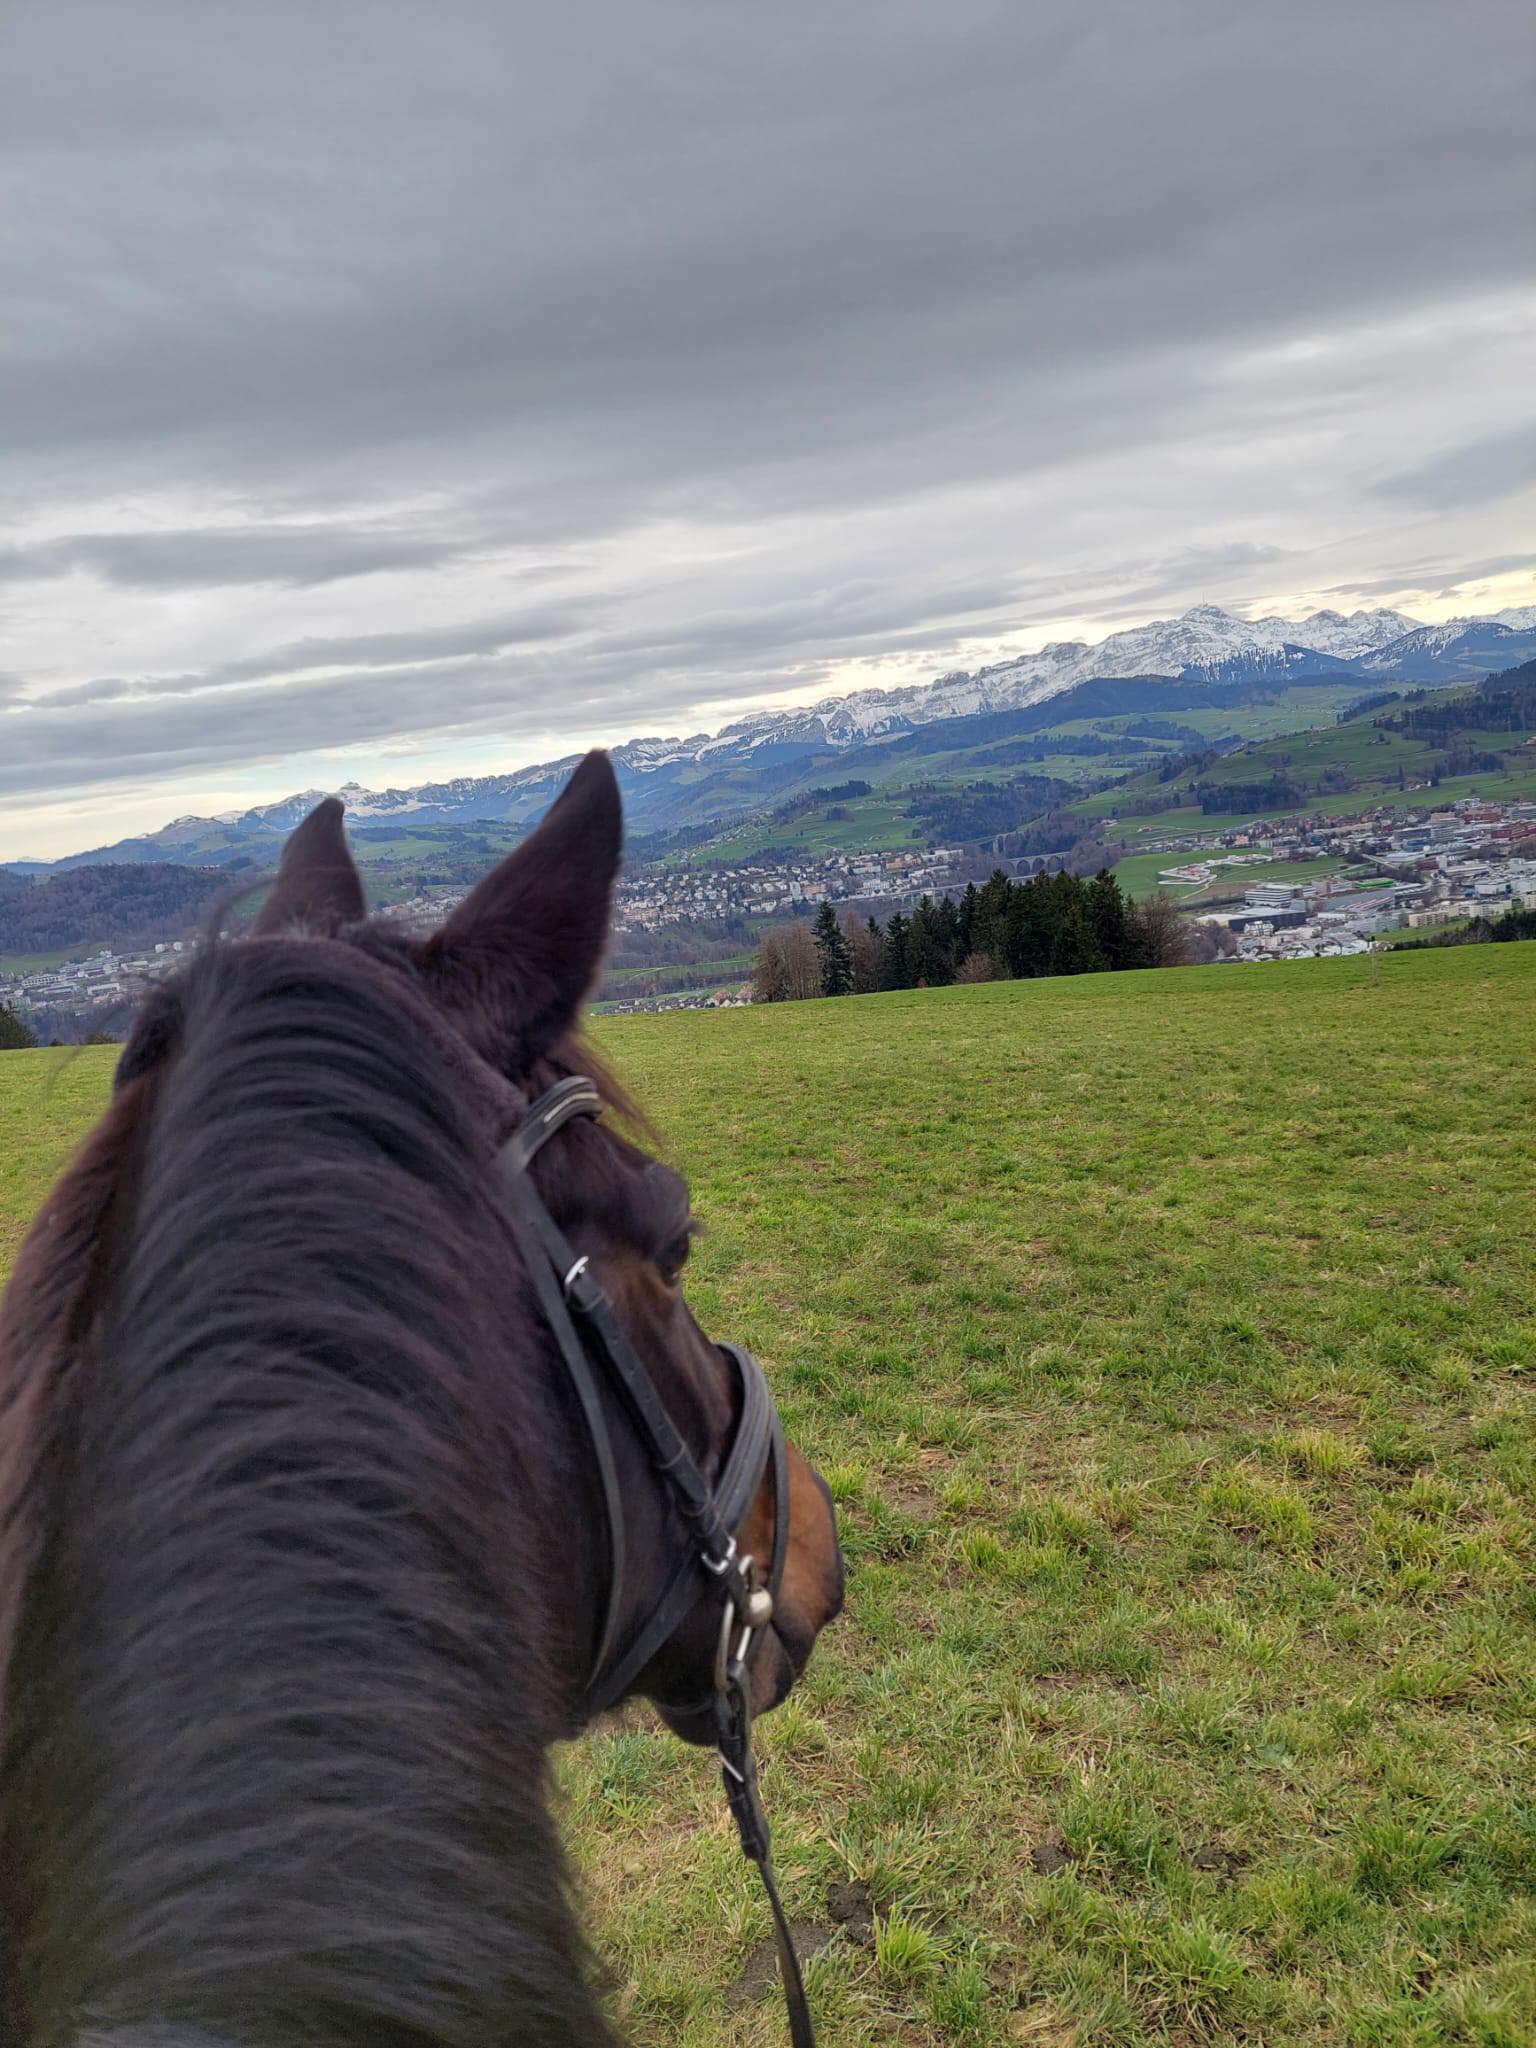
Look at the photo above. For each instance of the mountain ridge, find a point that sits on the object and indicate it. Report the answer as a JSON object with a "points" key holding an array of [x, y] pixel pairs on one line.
{"points": [[751, 757]]}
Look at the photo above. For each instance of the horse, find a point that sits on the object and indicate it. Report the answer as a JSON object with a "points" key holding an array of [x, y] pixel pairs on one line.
{"points": [[309, 1461]]}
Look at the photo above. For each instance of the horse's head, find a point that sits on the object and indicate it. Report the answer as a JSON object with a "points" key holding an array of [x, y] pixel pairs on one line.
{"points": [[507, 976]]}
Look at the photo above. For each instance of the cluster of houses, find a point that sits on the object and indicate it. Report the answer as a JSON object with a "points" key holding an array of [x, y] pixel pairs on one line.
{"points": [[664, 896], [736, 997], [1407, 870], [103, 981], [657, 896]]}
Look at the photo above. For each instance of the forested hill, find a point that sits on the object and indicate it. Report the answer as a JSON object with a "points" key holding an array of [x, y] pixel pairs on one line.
{"points": [[1501, 704], [131, 905]]}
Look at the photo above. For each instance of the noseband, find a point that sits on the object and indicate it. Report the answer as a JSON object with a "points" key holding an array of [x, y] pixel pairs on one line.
{"points": [[580, 1318]]}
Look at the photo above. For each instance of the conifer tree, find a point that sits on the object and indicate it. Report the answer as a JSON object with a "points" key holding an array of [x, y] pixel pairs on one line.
{"points": [[1074, 944], [15, 1034], [898, 952], [1028, 936], [836, 959], [1106, 913], [989, 933], [968, 906], [927, 955], [947, 937]]}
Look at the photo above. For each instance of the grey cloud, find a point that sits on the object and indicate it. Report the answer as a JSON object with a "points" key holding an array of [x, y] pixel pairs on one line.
{"points": [[940, 319], [155, 725], [1495, 466], [715, 231], [299, 555], [1211, 570], [100, 690], [847, 616], [161, 736], [396, 650], [169, 724], [1469, 574], [1439, 578], [863, 617]]}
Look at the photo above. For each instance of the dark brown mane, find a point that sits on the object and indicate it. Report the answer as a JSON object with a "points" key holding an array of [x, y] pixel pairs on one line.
{"points": [[260, 1264], [44, 1315], [317, 1530]]}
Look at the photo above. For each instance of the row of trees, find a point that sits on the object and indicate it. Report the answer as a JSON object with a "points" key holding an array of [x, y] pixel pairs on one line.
{"points": [[1502, 703], [1051, 924], [1515, 923]]}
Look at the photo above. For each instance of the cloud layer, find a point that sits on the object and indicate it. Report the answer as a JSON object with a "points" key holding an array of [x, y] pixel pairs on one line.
{"points": [[621, 366]]}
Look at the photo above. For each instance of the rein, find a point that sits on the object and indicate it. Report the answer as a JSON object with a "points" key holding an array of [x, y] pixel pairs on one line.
{"points": [[581, 1320]]}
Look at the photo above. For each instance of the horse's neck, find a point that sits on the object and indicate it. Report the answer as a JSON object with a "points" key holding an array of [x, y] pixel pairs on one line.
{"points": [[274, 1747]]}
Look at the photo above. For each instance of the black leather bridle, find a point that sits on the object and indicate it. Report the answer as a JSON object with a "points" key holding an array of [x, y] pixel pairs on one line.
{"points": [[581, 1321]]}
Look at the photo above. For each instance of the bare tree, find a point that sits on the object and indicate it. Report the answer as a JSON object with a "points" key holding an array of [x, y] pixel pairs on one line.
{"points": [[788, 968], [866, 947], [975, 967], [1163, 935], [1209, 942]]}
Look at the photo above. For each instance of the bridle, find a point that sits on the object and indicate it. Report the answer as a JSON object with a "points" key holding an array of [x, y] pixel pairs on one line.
{"points": [[580, 1318]]}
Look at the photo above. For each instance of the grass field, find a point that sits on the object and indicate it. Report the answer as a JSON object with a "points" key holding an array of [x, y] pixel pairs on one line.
{"points": [[1138, 874], [1291, 711], [34, 963], [1168, 1340], [864, 824]]}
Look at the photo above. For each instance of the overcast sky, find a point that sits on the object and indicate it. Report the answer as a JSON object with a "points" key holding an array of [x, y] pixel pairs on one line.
{"points": [[391, 390]]}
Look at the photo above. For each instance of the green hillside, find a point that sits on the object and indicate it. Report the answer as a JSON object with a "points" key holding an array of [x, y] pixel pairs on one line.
{"points": [[1448, 745], [956, 755], [1168, 1341]]}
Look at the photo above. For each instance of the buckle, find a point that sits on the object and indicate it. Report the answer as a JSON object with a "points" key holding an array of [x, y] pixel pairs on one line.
{"points": [[569, 1283], [580, 1288], [749, 1612]]}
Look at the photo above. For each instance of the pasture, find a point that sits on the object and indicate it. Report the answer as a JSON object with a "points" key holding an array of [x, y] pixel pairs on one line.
{"points": [[1168, 1340]]}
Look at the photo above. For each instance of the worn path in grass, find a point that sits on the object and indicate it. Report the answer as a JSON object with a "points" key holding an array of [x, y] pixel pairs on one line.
{"points": [[1168, 1340]]}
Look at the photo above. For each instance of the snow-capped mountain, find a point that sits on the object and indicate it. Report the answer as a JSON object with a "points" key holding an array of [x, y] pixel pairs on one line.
{"points": [[1452, 650], [1205, 644], [667, 780]]}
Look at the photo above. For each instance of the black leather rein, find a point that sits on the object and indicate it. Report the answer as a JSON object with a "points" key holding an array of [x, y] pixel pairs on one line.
{"points": [[581, 1320]]}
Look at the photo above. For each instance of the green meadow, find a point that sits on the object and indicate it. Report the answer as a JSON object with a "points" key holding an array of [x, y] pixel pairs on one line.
{"points": [[867, 824], [1369, 757], [1139, 874], [1168, 1342]]}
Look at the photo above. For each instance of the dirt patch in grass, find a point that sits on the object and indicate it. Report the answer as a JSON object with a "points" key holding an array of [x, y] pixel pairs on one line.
{"points": [[1051, 1855], [760, 1973]]}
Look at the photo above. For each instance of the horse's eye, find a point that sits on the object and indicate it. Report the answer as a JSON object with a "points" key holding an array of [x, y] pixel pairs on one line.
{"points": [[674, 1258]]}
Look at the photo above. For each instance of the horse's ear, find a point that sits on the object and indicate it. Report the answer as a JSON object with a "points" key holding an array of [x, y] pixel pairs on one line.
{"points": [[519, 954], [317, 886]]}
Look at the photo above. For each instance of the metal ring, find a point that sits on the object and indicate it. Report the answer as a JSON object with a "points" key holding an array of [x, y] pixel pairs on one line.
{"points": [[730, 1665], [573, 1276], [718, 1565]]}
